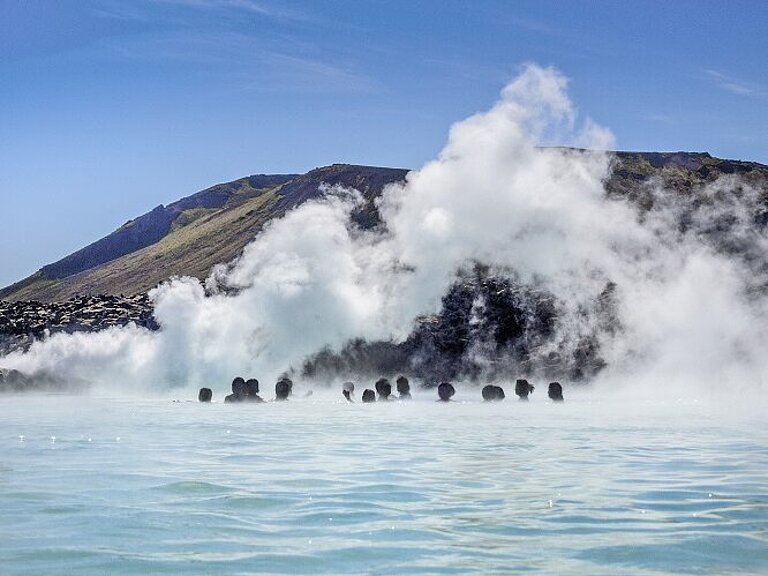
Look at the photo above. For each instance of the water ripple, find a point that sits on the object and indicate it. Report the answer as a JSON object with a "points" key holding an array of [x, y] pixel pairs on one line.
{"points": [[138, 487]]}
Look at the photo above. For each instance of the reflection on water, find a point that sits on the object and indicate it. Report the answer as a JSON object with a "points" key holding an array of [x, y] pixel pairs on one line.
{"points": [[318, 486]]}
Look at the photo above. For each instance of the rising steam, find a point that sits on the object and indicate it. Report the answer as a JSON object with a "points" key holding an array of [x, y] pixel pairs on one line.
{"points": [[689, 311]]}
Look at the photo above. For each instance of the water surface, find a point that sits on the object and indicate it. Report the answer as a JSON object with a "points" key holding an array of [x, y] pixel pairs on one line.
{"points": [[93, 485]]}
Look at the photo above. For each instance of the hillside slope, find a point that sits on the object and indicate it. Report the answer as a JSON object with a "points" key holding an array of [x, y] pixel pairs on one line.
{"points": [[193, 234]]}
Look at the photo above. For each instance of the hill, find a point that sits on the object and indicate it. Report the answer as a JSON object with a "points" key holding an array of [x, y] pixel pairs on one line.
{"points": [[190, 236], [193, 234]]}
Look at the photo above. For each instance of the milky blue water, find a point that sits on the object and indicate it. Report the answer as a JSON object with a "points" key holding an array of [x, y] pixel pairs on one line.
{"points": [[93, 485]]}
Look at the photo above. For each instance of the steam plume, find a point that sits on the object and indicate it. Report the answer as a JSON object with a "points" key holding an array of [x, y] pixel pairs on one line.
{"points": [[689, 311]]}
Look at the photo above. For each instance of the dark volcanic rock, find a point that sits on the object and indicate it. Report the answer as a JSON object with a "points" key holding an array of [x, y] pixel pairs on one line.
{"points": [[22, 323], [367, 180], [490, 327]]}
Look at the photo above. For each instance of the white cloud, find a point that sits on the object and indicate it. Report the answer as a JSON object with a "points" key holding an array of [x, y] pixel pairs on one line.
{"points": [[735, 86]]}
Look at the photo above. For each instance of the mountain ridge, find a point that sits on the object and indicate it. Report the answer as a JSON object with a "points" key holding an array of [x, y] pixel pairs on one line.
{"points": [[194, 233]]}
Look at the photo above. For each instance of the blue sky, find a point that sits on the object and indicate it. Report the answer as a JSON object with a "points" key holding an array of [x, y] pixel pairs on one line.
{"points": [[110, 108]]}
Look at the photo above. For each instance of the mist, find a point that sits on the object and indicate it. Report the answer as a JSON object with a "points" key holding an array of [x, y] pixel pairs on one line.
{"points": [[689, 279]]}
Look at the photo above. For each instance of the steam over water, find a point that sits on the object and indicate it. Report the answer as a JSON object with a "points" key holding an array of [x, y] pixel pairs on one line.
{"points": [[658, 466], [689, 315]]}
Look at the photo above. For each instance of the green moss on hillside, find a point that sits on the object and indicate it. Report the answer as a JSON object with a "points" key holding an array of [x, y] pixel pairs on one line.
{"points": [[191, 250], [186, 217]]}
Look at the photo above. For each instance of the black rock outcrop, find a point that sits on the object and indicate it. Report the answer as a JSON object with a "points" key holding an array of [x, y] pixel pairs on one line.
{"points": [[22, 323], [490, 327]]}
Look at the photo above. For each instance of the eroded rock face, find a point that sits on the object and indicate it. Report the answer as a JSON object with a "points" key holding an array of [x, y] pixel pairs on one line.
{"points": [[24, 322]]}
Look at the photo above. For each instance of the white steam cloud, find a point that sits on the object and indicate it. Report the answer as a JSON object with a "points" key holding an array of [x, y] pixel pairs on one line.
{"points": [[689, 314]]}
